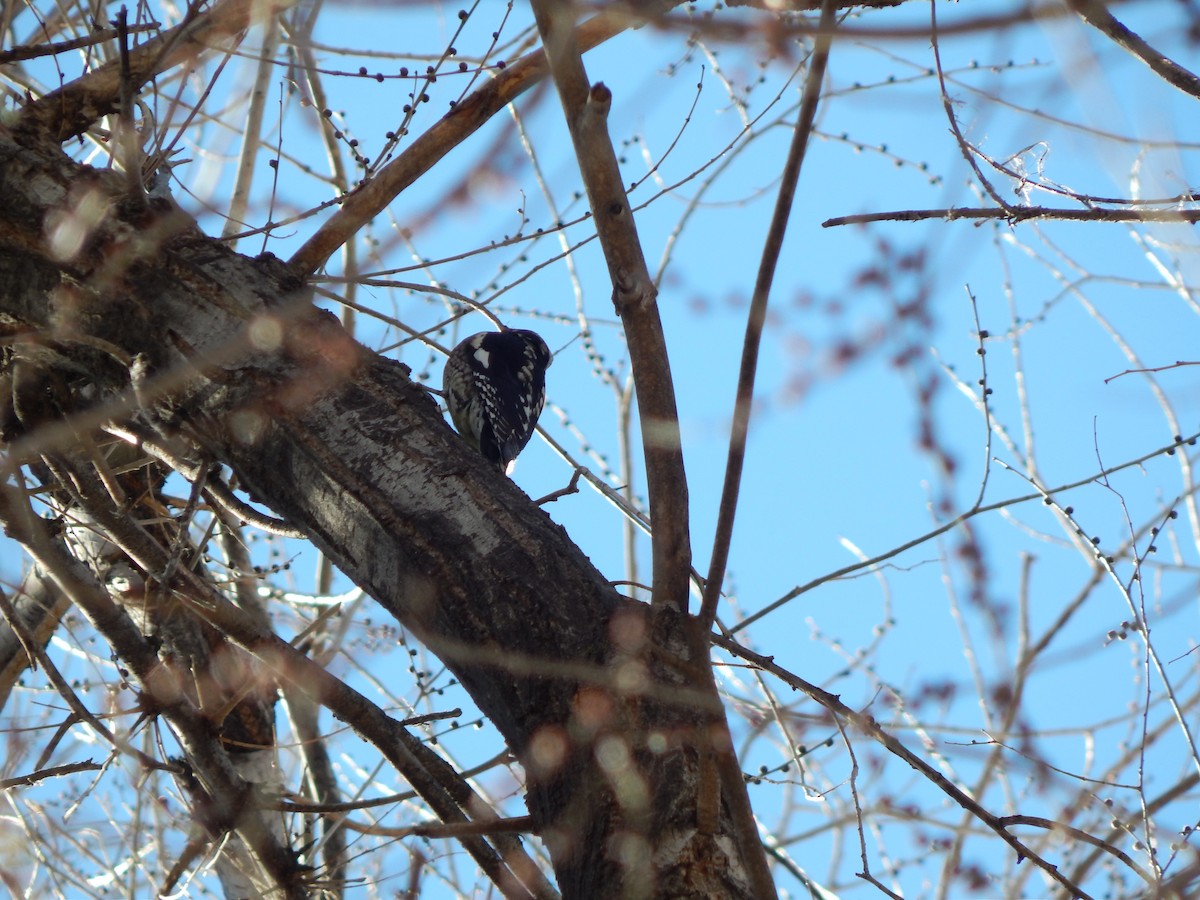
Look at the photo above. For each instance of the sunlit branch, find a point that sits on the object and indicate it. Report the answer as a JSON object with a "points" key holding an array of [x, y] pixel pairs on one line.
{"points": [[1098, 16]]}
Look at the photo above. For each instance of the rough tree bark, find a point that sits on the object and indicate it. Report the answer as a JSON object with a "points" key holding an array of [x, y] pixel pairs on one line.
{"points": [[152, 323]]}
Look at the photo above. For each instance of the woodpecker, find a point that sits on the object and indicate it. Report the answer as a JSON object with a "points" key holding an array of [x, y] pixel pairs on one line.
{"points": [[495, 386]]}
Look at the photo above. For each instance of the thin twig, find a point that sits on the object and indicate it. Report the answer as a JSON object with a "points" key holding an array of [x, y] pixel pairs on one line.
{"points": [[572, 487], [467, 117], [248, 158], [1175, 365], [33, 51], [71, 110], [868, 726], [127, 139], [951, 524], [1079, 835], [480, 827], [53, 772], [1016, 214], [216, 491], [967, 150]]}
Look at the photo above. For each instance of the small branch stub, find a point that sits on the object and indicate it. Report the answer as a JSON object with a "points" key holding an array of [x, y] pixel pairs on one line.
{"points": [[599, 101]]}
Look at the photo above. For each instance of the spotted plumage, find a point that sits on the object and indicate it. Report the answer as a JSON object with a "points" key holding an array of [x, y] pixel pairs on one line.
{"points": [[495, 386]]}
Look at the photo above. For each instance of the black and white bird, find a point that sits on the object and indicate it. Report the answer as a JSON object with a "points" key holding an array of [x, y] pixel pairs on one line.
{"points": [[495, 386]]}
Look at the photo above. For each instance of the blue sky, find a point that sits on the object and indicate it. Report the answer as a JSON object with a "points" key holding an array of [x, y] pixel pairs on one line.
{"points": [[837, 465]]}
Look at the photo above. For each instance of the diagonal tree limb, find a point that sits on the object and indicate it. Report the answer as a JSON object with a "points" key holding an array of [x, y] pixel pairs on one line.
{"points": [[34, 51], [777, 6], [1017, 214]]}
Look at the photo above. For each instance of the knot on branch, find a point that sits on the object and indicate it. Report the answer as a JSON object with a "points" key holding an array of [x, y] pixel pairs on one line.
{"points": [[632, 293]]}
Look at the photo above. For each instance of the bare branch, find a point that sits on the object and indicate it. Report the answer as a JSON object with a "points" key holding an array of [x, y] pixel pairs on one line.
{"points": [[1178, 364], [73, 108], [868, 726], [33, 51], [467, 117], [974, 511], [586, 107], [53, 772], [1017, 214], [1096, 14]]}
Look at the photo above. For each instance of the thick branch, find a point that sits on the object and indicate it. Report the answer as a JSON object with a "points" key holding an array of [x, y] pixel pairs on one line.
{"points": [[634, 295]]}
